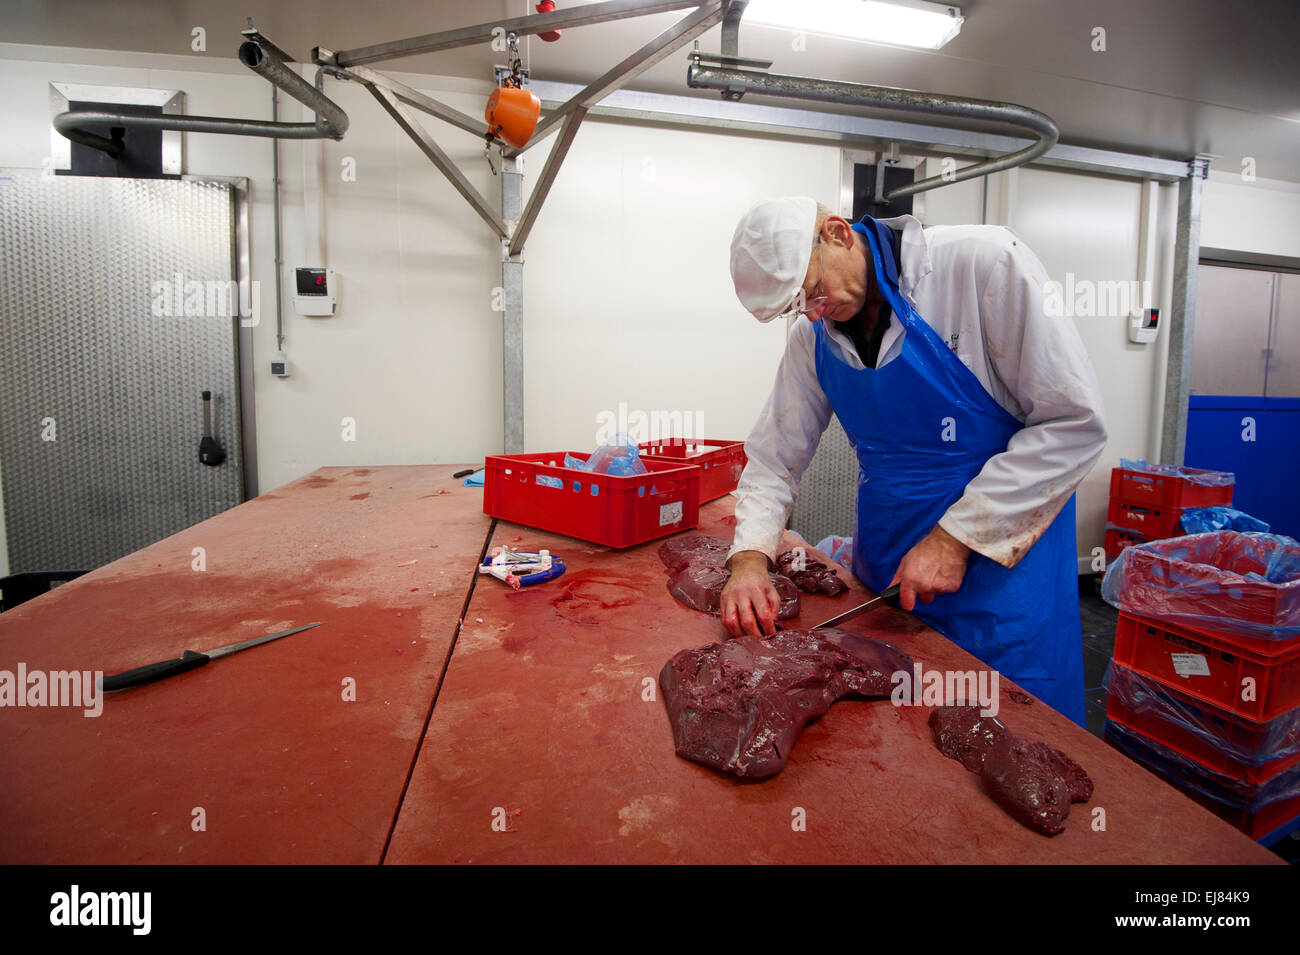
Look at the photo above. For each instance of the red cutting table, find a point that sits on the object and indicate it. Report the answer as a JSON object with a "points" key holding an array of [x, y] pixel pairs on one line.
{"points": [[542, 745]]}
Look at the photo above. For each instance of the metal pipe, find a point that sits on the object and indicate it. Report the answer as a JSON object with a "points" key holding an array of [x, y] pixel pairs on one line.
{"points": [[279, 261], [259, 55], [520, 26], [68, 123], [890, 98], [266, 63]]}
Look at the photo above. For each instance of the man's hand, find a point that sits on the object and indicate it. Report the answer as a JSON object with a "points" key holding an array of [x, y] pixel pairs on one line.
{"points": [[750, 602], [934, 566]]}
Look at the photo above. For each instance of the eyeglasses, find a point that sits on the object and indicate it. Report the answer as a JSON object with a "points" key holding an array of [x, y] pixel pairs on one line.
{"points": [[812, 307]]}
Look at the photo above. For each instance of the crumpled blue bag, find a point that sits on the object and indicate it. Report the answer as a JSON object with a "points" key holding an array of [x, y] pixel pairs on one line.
{"points": [[1202, 520]]}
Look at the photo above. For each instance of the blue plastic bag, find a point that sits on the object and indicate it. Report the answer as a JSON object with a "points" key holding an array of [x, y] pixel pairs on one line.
{"points": [[839, 549], [1202, 520], [618, 457]]}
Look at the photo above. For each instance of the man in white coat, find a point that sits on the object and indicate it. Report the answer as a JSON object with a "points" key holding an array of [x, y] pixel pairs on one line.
{"points": [[973, 413]]}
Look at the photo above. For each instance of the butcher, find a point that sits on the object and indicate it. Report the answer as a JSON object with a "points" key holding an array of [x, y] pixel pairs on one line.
{"points": [[974, 415]]}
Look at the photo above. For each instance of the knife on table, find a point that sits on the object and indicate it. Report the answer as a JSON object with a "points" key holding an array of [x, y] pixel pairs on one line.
{"points": [[191, 660], [888, 595]]}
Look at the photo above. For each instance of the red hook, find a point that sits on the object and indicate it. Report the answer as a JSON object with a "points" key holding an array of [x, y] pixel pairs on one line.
{"points": [[546, 6]]}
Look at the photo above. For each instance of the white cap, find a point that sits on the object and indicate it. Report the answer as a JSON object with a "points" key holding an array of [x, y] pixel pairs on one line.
{"points": [[770, 251]]}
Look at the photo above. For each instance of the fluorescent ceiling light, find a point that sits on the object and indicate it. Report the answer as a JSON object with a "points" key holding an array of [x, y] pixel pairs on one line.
{"points": [[903, 22]]}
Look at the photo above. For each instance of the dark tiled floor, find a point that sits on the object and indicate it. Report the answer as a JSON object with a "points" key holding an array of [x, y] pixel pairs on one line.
{"points": [[1099, 622]]}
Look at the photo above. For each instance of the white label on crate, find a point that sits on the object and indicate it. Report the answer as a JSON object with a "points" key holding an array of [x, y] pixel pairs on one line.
{"points": [[1190, 664], [670, 513]]}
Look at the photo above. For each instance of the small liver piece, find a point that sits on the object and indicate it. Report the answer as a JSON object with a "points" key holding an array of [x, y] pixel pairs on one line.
{"points": [[1035, 783], [739, 706], [962, 734], [810, 575], [697, 564], [695, 549], [699, 587]]}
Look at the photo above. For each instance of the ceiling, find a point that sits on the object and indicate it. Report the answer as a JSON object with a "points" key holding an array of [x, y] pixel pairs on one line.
{"points": [[1177, 77]]}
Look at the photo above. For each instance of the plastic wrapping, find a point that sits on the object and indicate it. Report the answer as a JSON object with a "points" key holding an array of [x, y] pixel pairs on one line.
{"points": [[1226, 581], [1190, 774], [1202, 520], [1248, 742], [838, 549], [1191, 475]]}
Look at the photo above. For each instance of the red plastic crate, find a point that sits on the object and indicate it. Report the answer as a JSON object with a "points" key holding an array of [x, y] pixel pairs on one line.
{"points": [[1238, 730], [1153, 523], [1167, 490], [1147, 646], [720, 462], [1266, 824], [1117, 539], [1257, 825], [618, 511], [1210, 576]]}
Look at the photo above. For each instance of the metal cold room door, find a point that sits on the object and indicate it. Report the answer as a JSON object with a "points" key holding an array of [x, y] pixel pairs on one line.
{"points": [[115, 317], [1244, 411]]}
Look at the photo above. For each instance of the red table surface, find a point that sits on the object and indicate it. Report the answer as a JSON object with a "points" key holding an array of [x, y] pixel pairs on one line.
{"points": [[540, 715], [262, 741], [542, 723]]}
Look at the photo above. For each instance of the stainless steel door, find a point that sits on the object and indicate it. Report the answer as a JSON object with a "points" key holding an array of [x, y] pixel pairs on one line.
{"points": [[115, 314], [1231, 335]]}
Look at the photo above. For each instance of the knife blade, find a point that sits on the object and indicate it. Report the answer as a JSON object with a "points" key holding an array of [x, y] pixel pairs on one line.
{"points": [[887, 595], [190, 660]]}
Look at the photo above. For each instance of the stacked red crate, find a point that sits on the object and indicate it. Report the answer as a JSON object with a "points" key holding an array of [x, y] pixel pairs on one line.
{"points": [[720, 462], [1149, 505], [1204, 688]]}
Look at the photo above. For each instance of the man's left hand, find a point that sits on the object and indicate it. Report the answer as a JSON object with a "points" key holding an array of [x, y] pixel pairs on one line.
{"points": [[934, 566]]}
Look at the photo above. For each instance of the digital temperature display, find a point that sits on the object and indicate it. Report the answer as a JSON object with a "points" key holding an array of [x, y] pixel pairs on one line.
{"points": [[312, 282]]}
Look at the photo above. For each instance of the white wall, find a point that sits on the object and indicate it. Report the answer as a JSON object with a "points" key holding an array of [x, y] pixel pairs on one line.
{"points": [[627, 297], [1259, 216], [627, 286]]}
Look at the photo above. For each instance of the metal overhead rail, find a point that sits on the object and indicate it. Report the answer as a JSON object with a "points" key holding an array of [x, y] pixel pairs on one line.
{"points": [[520, 26], [262, 57], [396, 97]]}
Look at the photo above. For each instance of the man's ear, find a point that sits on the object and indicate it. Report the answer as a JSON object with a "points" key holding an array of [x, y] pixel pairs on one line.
{"points": [[837, 231]]}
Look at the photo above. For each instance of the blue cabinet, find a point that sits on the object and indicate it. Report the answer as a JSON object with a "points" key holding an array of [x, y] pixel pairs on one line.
{"points": [[1258, 439]]}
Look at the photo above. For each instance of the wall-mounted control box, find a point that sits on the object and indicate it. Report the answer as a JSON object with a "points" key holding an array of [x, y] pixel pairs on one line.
{"points": [[1142, 328], [315, 291]]}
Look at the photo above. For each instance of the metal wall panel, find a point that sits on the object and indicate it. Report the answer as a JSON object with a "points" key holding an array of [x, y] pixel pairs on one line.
{"points": [[1284, 348], [100, 411], [1231, 331], [828, 494]]}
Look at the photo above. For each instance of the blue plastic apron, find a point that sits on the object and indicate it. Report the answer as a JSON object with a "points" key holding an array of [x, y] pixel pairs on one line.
{"points": [[923, 427]]}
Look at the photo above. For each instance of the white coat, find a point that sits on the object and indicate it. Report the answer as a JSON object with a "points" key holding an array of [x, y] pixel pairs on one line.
{"points": [[982, 290]]}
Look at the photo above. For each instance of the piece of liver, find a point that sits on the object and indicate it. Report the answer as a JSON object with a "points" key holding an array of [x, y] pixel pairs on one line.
{"points": [[739, 706], [962, 734], [1035, 783], [809, 574], [697, 565], [699, 586]]}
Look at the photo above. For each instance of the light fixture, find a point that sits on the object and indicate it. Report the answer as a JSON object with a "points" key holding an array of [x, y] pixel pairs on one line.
{"points": [[917, 23]]}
